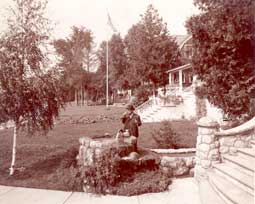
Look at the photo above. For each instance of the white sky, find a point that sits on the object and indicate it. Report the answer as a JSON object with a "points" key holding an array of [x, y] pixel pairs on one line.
{"points": [[124, 13]]}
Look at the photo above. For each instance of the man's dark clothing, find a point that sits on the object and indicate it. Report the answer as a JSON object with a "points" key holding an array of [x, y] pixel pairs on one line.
{"points": [[131, 123]]}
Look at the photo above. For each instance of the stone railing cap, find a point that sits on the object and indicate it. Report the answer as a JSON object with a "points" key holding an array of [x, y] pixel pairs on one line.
{"points": [[207, 122], [247, 126]]}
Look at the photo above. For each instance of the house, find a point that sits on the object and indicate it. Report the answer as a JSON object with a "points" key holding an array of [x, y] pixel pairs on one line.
{"points": [[178, 100], [182, 77]]}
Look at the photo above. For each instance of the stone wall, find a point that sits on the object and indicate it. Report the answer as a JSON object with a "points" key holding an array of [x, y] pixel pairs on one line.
{"points": [[237, 137], [178, 166], [229, 144]]}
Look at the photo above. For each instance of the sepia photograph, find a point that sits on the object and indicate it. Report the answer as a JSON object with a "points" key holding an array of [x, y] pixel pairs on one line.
{"points": [[136, 102]]}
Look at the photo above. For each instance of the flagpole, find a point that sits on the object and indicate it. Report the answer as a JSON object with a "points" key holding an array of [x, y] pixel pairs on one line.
{"points": [[107, 77]]}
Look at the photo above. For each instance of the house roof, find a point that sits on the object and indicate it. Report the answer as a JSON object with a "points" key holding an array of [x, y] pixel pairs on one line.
{"points": [[183, 67], [181, 39]]}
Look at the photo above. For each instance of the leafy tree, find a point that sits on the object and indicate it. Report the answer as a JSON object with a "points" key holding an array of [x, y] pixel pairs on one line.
{"points": [[117, 61], [224, 41], [151, 50], [30, 92], [101, 71], [77, 57], [117, 65]]}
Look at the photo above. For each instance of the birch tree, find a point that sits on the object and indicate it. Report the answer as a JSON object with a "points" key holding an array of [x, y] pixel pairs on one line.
{"points": [[30, 91]]}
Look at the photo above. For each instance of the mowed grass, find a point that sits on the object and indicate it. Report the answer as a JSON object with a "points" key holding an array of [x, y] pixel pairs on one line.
{"points": [[38, 157]]}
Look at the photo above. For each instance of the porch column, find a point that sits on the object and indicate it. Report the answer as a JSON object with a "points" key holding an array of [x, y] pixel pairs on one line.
{"points": [[180, 81], [170, 78]]}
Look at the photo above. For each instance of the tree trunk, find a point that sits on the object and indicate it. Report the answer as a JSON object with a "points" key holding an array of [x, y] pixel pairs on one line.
{"points": [[12, 169]]}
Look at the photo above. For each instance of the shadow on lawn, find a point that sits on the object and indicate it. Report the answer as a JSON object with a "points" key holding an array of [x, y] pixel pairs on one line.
{"points": [[46, 166]]}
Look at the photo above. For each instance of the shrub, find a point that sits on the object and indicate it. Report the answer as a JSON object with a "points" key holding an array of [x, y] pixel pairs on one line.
{"points": [[150, 181], [141, 95], [165, 136], [103, 174]]}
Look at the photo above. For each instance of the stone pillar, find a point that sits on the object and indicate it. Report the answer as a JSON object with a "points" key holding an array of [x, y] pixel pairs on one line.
{"points": [[207, 148], [180, 81]]}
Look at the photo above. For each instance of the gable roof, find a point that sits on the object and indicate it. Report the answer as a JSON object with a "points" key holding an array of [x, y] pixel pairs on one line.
{"points": [[183, 67], [181, 39]]}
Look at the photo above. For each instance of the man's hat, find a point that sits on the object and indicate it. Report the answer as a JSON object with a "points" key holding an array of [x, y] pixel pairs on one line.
{"points": [[130, 107]]}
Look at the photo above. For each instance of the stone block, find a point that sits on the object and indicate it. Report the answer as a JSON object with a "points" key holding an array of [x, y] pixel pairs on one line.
{"points": [[199, 172], [224, 149], [204, 148], [239, 143], [98, 152], [199, 139], [212, 146], [206, 164], [227, 141], [191, 172], [213, 155], [168, 161], [84, 141], [168, 171], [206, 131], [89, 156], [217, 144], [248, 138], [207, 122], [189, 162], [207, 139], [194, 161], [203, 155], [197, 161], [180, 171], [233, 150]]}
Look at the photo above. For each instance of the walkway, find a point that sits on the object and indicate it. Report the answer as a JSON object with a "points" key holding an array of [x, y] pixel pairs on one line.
{"points": [[182, 191]]}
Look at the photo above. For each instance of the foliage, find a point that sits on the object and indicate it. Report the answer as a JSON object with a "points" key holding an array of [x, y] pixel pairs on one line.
{"points": [[117, 61], [223, 40], [141, 94], [165, 136], [103, 174], [150, 181], [77, 58], [151, 50], [30, 89], [117, 65]]}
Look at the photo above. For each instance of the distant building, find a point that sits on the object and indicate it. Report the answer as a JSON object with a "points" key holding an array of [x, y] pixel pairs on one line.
{"points": [[181, 77]]}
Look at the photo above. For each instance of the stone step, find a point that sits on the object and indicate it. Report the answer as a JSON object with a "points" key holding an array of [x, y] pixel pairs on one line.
{"points": [[250, 152], [253, 144], [242, 180], [242, 164], [207, 194], [229, 192]]}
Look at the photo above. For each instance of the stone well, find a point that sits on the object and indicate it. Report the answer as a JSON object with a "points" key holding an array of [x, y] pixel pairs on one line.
{"points": [[90, 149]]}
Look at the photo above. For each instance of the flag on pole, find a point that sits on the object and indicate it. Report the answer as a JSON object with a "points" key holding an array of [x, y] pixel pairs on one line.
{"points": [[110, 24]]}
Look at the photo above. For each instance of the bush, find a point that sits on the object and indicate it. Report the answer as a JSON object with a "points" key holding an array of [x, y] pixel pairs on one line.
{"points": [[165, 136], [141, 95], [150, 181], [105, 173]]}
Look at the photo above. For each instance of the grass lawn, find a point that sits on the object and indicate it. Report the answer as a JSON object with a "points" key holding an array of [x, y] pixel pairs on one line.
{"points": [[41, 155]]}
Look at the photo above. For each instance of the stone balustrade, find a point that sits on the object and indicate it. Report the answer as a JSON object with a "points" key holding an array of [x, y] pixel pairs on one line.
{"points": [[212, 143]]}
